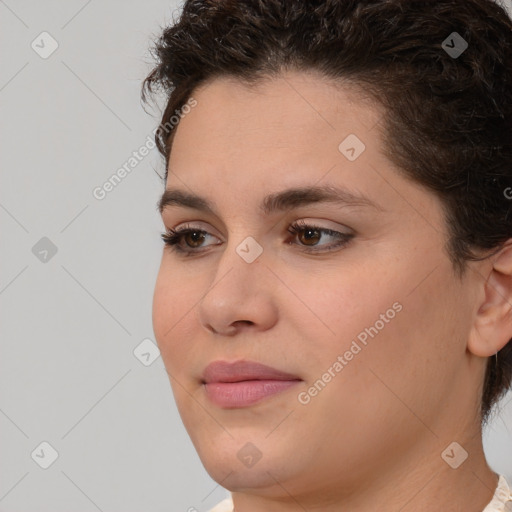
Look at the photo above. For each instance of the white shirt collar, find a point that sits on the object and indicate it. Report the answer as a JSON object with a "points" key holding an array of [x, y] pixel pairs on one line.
{"points": [[501, 501]]}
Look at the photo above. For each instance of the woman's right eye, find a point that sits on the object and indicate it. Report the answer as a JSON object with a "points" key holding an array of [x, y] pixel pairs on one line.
{"points": [[192, 236]]}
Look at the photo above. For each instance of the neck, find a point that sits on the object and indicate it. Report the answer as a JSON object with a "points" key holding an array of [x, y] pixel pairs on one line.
{"points": [[424, 482]]}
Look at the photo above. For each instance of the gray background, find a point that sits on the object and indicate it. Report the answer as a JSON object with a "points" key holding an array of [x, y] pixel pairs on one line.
{"points": [[70, 321]]}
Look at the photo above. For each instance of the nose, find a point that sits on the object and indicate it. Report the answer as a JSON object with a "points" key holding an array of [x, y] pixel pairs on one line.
{"points": [[240, 297]]}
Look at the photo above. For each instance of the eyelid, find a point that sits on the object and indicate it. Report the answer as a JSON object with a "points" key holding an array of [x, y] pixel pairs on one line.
{"points": [[199, 226], [326, 224]]}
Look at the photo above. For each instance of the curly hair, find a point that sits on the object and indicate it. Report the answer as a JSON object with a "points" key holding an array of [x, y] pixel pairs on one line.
{"points": [[448, 118]]}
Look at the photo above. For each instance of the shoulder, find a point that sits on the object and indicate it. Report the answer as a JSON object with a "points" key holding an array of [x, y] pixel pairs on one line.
{"points": [[224, 506], [502, 499]]}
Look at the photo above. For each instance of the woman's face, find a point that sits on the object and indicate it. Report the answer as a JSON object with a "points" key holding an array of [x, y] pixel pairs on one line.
{"points": [[369, 319]]}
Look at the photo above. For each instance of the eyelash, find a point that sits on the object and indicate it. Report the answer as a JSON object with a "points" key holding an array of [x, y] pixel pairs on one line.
{"points": [[173, 237]]}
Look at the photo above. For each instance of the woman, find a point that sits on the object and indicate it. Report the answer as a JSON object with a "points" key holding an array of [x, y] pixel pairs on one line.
{"points": [[334, 303]]}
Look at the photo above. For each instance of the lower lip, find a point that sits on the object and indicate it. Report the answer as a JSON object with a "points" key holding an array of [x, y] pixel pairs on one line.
{"points": [[245, 393]]}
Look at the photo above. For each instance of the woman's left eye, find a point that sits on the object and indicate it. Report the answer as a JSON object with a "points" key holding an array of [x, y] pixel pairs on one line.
{"points": [[308, 234], [311, 233]]}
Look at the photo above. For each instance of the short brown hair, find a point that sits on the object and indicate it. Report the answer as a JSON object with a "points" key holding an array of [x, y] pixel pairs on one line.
{"points": [[448, 122]]}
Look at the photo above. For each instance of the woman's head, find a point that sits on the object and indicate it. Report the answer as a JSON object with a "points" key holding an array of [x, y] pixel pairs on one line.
{"points": [[391, 333]]}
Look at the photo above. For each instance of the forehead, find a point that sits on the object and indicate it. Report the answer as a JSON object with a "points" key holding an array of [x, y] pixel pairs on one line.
{"points": [[294, 122], [304, 102]]}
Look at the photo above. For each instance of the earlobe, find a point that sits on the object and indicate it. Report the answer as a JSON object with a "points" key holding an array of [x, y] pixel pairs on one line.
{"points": [[492, 328]]}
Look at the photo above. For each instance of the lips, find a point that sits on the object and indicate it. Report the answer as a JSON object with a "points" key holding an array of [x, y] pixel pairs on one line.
{"points": [[222, 371], [244, 383]]}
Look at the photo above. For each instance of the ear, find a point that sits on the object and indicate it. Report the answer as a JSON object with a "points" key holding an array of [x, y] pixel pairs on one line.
{"points": [[492, 328]]}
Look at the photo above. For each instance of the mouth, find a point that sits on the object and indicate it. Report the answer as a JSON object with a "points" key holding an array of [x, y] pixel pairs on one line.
{"points": [[244, 383]]}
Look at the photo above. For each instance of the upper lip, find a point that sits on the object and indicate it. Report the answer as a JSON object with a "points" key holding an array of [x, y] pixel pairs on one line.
{"points": [[223, 371]]}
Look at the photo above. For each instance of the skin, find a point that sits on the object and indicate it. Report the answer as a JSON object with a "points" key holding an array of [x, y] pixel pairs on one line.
{"points": [[376, 431]]}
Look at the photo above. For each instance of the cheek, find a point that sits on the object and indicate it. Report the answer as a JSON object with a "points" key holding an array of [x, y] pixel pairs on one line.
{"points": [[373, 320], [380, 359], [409, 348], [181, 338], [162, 301], [334, 308], [171, 313]]}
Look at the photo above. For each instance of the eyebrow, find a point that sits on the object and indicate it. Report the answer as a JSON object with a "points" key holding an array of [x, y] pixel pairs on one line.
{"points": [[279, 201]]}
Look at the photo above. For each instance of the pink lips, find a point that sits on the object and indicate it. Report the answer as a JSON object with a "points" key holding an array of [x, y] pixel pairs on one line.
{"points": [[243, 383]]}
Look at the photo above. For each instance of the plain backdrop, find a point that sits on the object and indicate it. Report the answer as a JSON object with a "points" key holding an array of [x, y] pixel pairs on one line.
{"points": [[83, 392]]}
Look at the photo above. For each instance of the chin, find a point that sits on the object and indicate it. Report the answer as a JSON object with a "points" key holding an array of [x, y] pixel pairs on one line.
{"points": [[240, 479], [239, 465]]}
